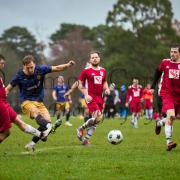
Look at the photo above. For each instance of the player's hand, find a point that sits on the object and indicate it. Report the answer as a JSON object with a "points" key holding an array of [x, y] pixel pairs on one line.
{"points": [[66, 95], [126, 104], [107, 91], [88, 98], [71, 63]]}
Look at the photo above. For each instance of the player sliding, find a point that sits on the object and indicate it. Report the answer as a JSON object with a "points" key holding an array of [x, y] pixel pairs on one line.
{"points": [[30, 80], [8, 115], [95, 76]]}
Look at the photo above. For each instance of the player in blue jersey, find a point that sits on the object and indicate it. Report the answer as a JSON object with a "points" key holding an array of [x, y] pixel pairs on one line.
{"points": [[30, 80], [62, 103]]}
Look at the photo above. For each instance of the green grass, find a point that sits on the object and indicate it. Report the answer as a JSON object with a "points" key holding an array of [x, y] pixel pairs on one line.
{"points": [[141, 155]]}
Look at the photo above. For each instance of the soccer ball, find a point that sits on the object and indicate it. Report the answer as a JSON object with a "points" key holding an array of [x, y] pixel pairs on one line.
{"points": [[115, 137]]}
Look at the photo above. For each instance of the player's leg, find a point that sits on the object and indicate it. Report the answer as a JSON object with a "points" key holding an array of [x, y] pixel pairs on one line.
{"points": [[59, 120], [4, 135], [169, 129], [67, 113], [5, 122], [26, 127]]}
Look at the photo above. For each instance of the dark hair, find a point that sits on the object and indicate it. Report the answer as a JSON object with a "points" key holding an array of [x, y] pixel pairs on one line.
{"points": [[175, 46], [94, 52], [28, 59], [2, 57]]}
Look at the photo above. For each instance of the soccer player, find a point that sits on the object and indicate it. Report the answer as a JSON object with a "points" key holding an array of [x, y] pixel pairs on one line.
{"points": [[62, 103], [169, 68], [30, 81], [8, 115], [148, 101], [134, 100], [95, 76]]}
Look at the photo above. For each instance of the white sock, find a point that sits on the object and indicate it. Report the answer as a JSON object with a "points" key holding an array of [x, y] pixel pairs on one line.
{"points": [[161, 122], [168, 133], [136, 121], [48, 125], [150, 113], [89, 123], [31, 130], [133, 118], [147, 113], [90, 131]]}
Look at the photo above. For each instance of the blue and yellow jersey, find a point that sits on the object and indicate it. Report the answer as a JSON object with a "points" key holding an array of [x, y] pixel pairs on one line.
{"points": [[31, 86], [60, 91]]}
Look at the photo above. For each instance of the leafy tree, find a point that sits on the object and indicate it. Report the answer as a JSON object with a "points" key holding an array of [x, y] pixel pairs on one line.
{"points": [[22, 41]]}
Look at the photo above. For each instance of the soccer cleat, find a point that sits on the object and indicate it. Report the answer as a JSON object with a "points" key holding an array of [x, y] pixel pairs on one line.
{"points": [[56, 125], [171, 145], [157, 128], [30, 147], [46, 133], [80, 134], [68, 123], [86, 143]]}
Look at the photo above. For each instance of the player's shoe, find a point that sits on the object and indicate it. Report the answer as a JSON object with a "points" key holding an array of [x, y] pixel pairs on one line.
{"points": [[30, 147], [157, 128], [46, 133], [67, 123], [56, 125], [80, 133], [171, 145], [86, 143]]}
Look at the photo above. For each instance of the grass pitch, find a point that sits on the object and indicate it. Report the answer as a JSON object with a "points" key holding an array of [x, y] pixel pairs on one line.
{"points": [[141, 155]]}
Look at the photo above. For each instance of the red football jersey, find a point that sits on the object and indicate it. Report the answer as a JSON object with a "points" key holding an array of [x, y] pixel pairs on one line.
{"points": [[134, 93], [163, 85], [95, 79], [2, 91], [174, 79]]}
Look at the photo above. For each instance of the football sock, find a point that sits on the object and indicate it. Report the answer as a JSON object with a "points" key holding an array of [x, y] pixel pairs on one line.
{"points": [[58, 116], [41, 120], [150, 113], [35, 139], [90, 131], [168, 133], [67, 116], [86, 118], [31, 130], [89, 123]]}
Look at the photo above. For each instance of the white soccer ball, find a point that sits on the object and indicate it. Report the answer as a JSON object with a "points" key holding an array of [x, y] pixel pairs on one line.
{"points": [[115, 136]]}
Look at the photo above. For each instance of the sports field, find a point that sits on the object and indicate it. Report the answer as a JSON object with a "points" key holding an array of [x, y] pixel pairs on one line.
{"points": [[141, 155]]}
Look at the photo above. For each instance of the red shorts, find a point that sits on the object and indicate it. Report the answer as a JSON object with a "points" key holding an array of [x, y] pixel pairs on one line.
{"points": [[7, 115], [170, 103], [148, 104], [97, 103], [135, 107]]}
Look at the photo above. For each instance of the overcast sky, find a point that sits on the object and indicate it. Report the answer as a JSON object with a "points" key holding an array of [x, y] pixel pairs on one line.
{"points": [[43, 17]]}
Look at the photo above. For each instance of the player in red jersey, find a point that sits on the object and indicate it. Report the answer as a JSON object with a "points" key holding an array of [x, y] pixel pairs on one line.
{"points": [[8, 115], [148, 101], [134, 100], [95, 76], [171, 96]]}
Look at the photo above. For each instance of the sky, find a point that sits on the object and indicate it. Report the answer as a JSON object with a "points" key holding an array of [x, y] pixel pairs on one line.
{"points": [[43, 17]]}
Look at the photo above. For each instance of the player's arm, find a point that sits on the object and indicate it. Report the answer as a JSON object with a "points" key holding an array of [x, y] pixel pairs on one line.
{"points": [[8, 88], [73, 87], [106, 88], [156, 78], [54, 95], [84, 91], [62, 67]]}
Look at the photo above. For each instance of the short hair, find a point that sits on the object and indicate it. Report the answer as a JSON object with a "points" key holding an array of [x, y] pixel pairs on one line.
{"points": [[28, 59], [2, 57], [94, 52], [175, 46]]}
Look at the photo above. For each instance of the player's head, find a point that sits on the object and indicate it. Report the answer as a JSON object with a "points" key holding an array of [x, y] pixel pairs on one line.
{"points": [[175, 52], [2, 61], [135, 81], [94, 58], [60, 79], [148, 85], [28, 64]]}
